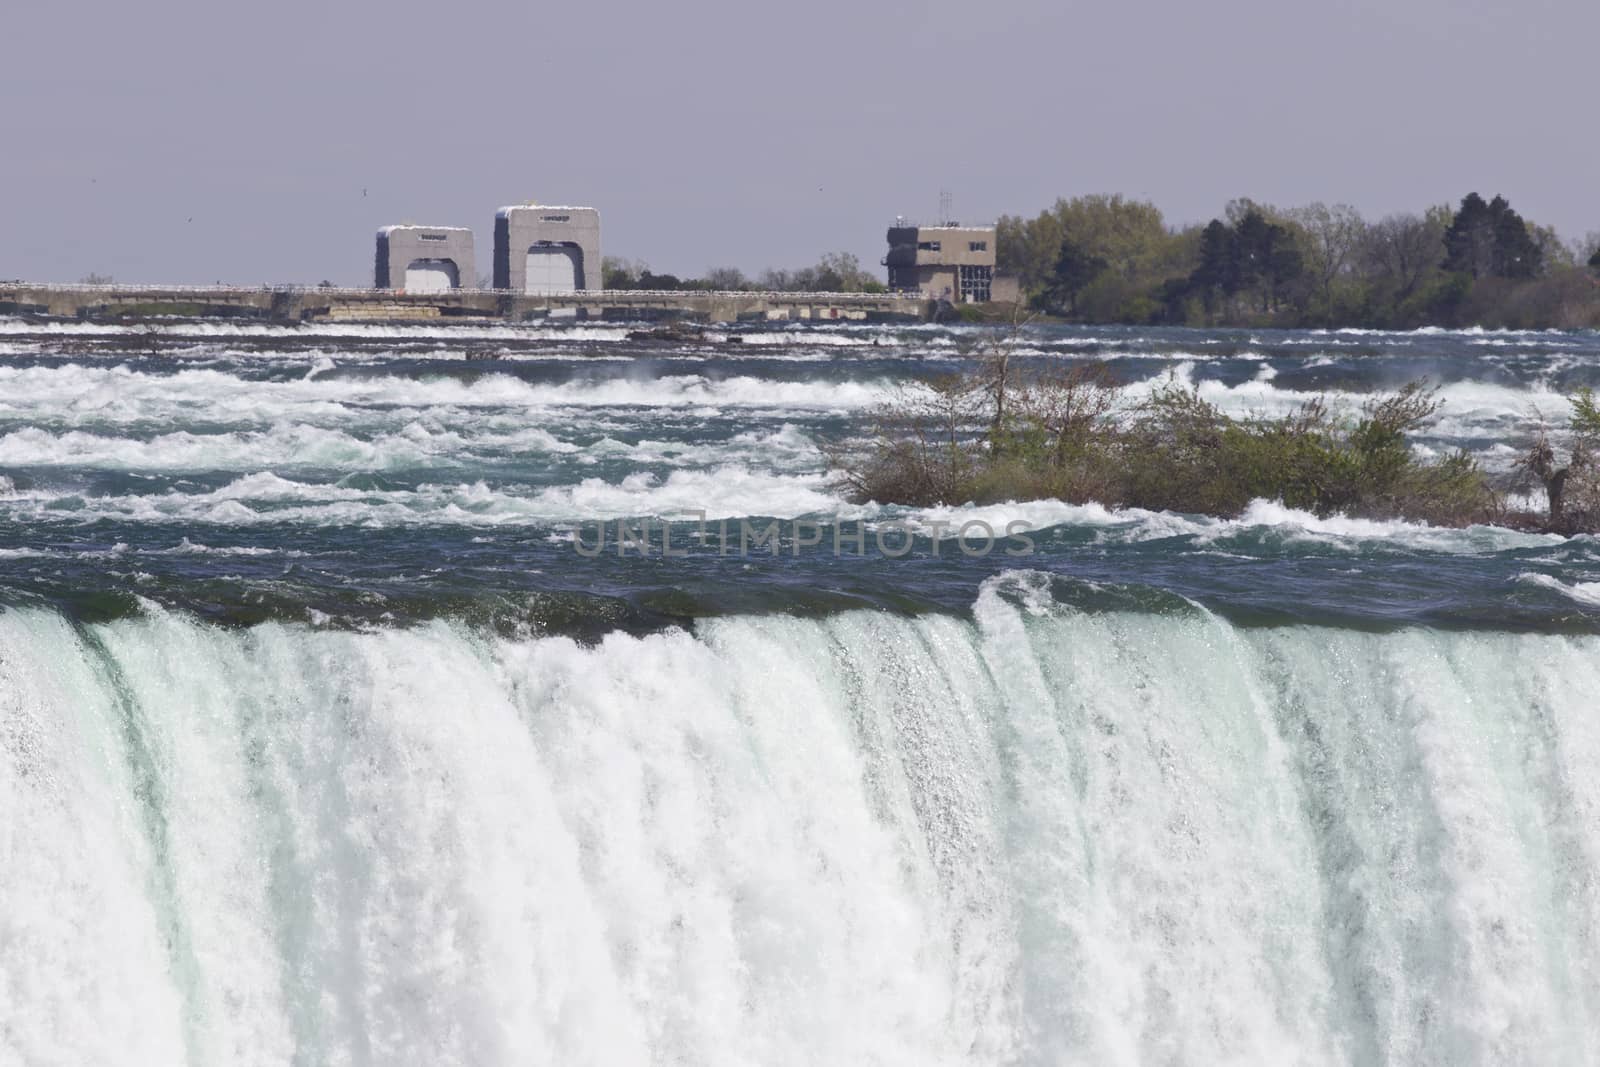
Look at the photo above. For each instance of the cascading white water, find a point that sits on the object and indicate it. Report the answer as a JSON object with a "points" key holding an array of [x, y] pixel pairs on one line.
{"points": [[1043, 836]]}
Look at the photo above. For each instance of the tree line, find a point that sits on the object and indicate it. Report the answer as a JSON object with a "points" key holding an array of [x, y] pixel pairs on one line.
{"points": [[835, 272], [1104, 258]]}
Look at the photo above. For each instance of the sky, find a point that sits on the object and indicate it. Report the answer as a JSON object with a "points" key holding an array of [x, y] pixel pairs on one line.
{"points": [[196, 141]]}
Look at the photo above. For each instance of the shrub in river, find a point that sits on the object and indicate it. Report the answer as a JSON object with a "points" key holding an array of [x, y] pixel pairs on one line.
{"points": [[999, 433], [1181, 453], [1573, 488], [924, 447]]}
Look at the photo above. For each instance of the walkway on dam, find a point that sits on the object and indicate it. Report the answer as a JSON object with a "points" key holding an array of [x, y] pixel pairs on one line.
{"points": [[304, 304]]}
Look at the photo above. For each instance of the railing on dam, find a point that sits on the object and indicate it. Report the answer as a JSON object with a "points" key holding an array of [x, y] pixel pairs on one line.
{"points": [[796, 296]]}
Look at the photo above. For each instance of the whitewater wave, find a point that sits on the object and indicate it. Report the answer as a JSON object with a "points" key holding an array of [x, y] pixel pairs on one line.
{"points": [[284, 446], [728, 491], [1585, 593], [1262, 520], [1488, 417], [77, 394], [1470, 409], [731, 490]]}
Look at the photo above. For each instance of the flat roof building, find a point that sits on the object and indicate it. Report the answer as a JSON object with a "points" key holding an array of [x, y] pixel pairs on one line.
{"points": [[424, 259], [946, 262], [547, 249]]}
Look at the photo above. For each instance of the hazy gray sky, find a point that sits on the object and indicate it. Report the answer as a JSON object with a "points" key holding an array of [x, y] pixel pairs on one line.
{"points": [[197, 140]]}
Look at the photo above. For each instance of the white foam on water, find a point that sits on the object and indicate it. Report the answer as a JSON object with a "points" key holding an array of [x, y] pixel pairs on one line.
{"points": [[1339, 530], [225, 331], [1126, 525], [728, 491], [418, 444], [76, 394], [799, 338], [1585, 593], [1468, 408], [725, 491]]}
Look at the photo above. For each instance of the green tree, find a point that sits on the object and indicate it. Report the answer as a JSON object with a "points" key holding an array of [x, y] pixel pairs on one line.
{"points": [[1585, 414], [1490, 240], [1554, 254], [657, 282], [1028, 248], [1217, 274], [1076, 267], [1265, 257], [1129, 236], [619, 273], [840, 272], [1517, 252], [726, 279], [1333, 235], [1469, 242], [1400, 252]]}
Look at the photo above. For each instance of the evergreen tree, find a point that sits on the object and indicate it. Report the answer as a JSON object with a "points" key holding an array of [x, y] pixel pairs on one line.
{"points": [[1217, 274], [1286, 264], [1594, 260], [1216, 271], [1490, 240], [1265, 257], [1076, 267], [1252, 246], [1469, 242], [659, 282], [1516, 255]]}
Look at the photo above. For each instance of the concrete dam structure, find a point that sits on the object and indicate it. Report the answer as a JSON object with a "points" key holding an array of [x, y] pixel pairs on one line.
{"points": [[546, 263], [424, 259], [547, 250]]}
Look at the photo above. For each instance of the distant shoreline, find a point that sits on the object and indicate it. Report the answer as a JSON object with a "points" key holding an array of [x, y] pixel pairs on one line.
{"points": [[113, 304]]}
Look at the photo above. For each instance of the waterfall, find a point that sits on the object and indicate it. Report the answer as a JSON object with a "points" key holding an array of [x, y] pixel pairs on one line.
{"points": [[1042, 834]]}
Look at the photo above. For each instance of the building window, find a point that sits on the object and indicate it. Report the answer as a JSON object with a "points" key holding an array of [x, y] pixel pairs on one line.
{"points": [[975, 283], [927, 246], [977, 246]]}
